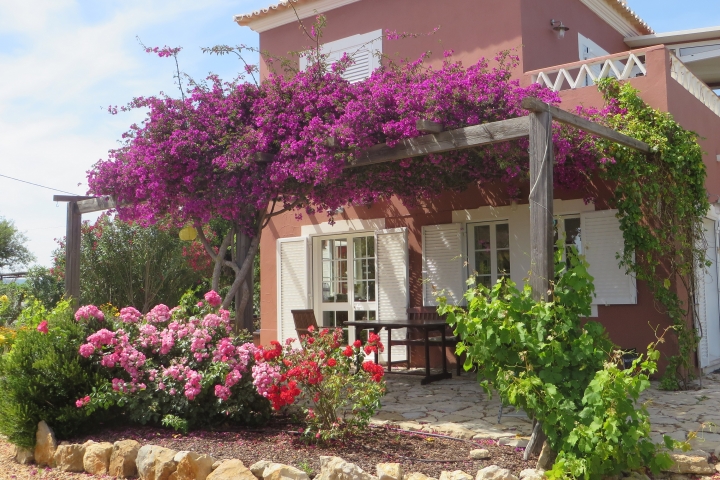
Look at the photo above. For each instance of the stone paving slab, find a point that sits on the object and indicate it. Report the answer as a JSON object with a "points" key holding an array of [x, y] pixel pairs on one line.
{"points": [[461, 408]]}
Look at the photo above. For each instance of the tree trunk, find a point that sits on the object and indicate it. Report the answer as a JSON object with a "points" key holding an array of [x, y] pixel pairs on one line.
{"points": [[243, 296]]}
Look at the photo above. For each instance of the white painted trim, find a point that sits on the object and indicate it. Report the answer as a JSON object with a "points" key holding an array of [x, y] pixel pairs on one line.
{"points": [[700, 56], [696, 34], [489, 213], [280, 14], [278, 279], [343, 226], [613, 17]]}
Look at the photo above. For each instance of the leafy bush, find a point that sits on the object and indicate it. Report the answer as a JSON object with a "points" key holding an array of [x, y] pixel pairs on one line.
{"points": [[12, 296], [328, 379], [181, 367], [127, 264], [41, 376], [545, 358]]}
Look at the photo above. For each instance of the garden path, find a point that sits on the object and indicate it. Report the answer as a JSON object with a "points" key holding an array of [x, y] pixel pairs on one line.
{"points": [[459, 407]]}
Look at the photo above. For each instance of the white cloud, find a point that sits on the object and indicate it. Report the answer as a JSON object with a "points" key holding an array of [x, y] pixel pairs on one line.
{"points": [[62, 63]]}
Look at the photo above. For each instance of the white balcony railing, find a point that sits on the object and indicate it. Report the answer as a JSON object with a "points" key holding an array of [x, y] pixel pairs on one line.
{"points": [[693, 84], [586, 73]]}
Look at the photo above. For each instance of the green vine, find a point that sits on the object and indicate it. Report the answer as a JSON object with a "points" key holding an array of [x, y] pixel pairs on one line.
{"points": [[661, 199]]}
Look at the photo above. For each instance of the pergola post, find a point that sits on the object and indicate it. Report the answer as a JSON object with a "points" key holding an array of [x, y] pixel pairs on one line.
{"points": [[541, 205], [72, 254]]}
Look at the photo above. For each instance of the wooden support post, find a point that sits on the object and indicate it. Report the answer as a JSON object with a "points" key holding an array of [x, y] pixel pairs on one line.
{"points": [[72, 253], [541, 204]]}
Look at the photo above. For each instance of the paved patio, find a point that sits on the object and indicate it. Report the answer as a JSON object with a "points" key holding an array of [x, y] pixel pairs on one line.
{"points": [[459, 407]]}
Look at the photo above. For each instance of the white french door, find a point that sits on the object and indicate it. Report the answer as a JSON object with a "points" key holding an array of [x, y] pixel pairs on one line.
{"points": [[489, 251], [345, 280]]}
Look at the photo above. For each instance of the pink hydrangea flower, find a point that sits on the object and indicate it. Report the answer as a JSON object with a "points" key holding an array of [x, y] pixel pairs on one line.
{"points": [[159, 313], [213, 298], [130, 315], [88, 311]]}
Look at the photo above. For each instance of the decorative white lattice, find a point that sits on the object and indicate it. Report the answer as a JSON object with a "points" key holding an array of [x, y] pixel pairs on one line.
{"points": [[588, 73]]}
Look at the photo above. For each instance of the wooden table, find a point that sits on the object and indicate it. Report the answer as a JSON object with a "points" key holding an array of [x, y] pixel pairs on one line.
{"points": [[425, 325]]}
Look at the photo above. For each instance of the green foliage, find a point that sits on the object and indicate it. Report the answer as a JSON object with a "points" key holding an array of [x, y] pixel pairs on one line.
{"points": [[13, 252], [44, 285], [545, 358], [661, 199], [176, 423], [12, 296], [131, 265], [42, 376]]}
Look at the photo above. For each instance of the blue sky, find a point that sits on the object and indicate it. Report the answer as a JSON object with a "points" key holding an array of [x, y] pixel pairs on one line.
{"points": [[62, 62]]}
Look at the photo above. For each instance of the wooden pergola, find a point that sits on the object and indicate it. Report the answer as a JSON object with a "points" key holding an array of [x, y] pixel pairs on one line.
{"points": [[537, 126]]}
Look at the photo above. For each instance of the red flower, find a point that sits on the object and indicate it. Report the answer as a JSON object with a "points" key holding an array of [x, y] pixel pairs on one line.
{"points": [[376, 371], [357, 344], [348, 352], [311, 328], [43, 327], [331, 362]]}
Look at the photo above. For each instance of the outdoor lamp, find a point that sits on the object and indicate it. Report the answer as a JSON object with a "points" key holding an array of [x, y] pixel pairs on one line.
{"points": [[188, 234], [559, 27]]}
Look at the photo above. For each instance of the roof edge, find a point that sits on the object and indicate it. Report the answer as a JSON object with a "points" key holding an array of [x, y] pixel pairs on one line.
{"points": [[678, 36]]}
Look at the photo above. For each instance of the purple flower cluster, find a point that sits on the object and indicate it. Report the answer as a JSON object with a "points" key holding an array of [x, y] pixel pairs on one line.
{"points": [[196, 158]]}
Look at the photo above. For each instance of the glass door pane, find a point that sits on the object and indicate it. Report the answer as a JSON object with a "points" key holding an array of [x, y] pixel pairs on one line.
{"points": [[483, 251], [334, 270]]}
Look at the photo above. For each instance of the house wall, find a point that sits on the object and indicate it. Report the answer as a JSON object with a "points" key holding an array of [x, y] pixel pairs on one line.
{"points": [[473, 29], [482, 28], [541, 45]]}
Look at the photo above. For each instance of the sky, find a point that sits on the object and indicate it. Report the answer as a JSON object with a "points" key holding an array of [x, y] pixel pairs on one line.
{"points": [[63, 62]]}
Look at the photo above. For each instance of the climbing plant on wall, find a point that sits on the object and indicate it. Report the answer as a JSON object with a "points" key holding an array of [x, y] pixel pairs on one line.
{"points": [[661, 200]]}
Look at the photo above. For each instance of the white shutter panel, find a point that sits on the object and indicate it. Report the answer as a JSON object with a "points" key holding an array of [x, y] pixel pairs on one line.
{"points": [[602, 240], [392, 283], [363, 49], [293, 282], [701, 320], [442, 263]]}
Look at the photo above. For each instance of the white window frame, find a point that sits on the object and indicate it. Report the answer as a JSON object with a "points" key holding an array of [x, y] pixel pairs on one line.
{"points": [[470, 233], [371, 41]]}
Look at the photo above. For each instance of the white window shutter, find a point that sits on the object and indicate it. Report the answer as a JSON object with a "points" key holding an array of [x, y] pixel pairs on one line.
{"points": [[393, 290], [293, 264], [443, 263], [602, 240], [364, 50]]}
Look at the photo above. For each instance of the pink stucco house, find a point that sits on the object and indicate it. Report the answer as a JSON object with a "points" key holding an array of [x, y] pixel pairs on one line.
{"points": [[379, 260]]}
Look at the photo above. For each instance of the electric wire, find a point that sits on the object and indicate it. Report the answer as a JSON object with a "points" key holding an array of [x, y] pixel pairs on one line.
{"points": [[36, 184]]}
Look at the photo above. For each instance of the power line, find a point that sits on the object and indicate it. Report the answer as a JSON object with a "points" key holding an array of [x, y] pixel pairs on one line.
{"points": [[36, 184]]}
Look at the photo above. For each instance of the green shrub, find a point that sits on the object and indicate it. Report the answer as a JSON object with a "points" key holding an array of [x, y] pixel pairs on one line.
{"points": [[12, 296], [545, 358], [42, 376]]}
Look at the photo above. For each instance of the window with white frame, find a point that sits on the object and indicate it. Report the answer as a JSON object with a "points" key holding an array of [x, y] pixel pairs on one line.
{"points": [[364, 49], [569, 229], [489, 251]]}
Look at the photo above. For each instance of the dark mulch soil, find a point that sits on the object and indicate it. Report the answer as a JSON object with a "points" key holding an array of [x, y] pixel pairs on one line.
{"points": [[279, 443]]}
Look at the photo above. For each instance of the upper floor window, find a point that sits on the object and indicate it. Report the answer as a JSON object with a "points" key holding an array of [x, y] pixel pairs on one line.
{"points": [[364, 49]]}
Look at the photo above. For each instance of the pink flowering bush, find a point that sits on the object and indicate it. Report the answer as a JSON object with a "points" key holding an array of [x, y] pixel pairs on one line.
{"points": [[182, 366], [338, 389]]}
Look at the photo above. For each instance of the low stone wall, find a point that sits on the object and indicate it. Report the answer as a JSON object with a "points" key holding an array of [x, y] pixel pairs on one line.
{"points": [[128, 458]]}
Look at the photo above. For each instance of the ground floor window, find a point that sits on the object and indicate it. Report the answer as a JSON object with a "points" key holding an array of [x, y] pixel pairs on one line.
{"points": [[489, 251]]}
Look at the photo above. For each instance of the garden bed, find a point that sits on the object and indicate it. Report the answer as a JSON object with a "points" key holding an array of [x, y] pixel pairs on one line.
{"points": [[280, 442]]}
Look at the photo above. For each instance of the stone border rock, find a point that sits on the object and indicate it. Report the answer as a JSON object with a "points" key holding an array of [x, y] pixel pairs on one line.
{"points": [[128, 458]]}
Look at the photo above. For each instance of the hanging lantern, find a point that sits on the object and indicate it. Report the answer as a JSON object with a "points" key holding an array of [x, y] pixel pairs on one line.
{"points": [[188, 234]]}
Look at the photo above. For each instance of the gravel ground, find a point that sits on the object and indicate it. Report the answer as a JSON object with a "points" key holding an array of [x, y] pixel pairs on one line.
{"points": [[416, 452]]}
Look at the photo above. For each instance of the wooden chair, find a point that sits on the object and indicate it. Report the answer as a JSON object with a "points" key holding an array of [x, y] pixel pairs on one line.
{"points": [[430, 313], [304, 319]]}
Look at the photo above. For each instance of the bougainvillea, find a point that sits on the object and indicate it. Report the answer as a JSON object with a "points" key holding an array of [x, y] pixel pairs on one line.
{"points": [[182, 364], [338, 389], [206, 155]]}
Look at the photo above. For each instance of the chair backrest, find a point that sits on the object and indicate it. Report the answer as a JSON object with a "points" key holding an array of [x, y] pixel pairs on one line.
{"points": [[303, 319], [423, 313]]}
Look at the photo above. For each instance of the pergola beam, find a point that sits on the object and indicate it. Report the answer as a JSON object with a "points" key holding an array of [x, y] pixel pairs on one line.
{"points": [[96, 204], [536, 105], [451, 140]]}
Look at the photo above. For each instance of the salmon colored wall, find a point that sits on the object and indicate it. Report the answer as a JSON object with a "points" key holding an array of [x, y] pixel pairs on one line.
{"points": [[541, 45], [471, 28]]}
